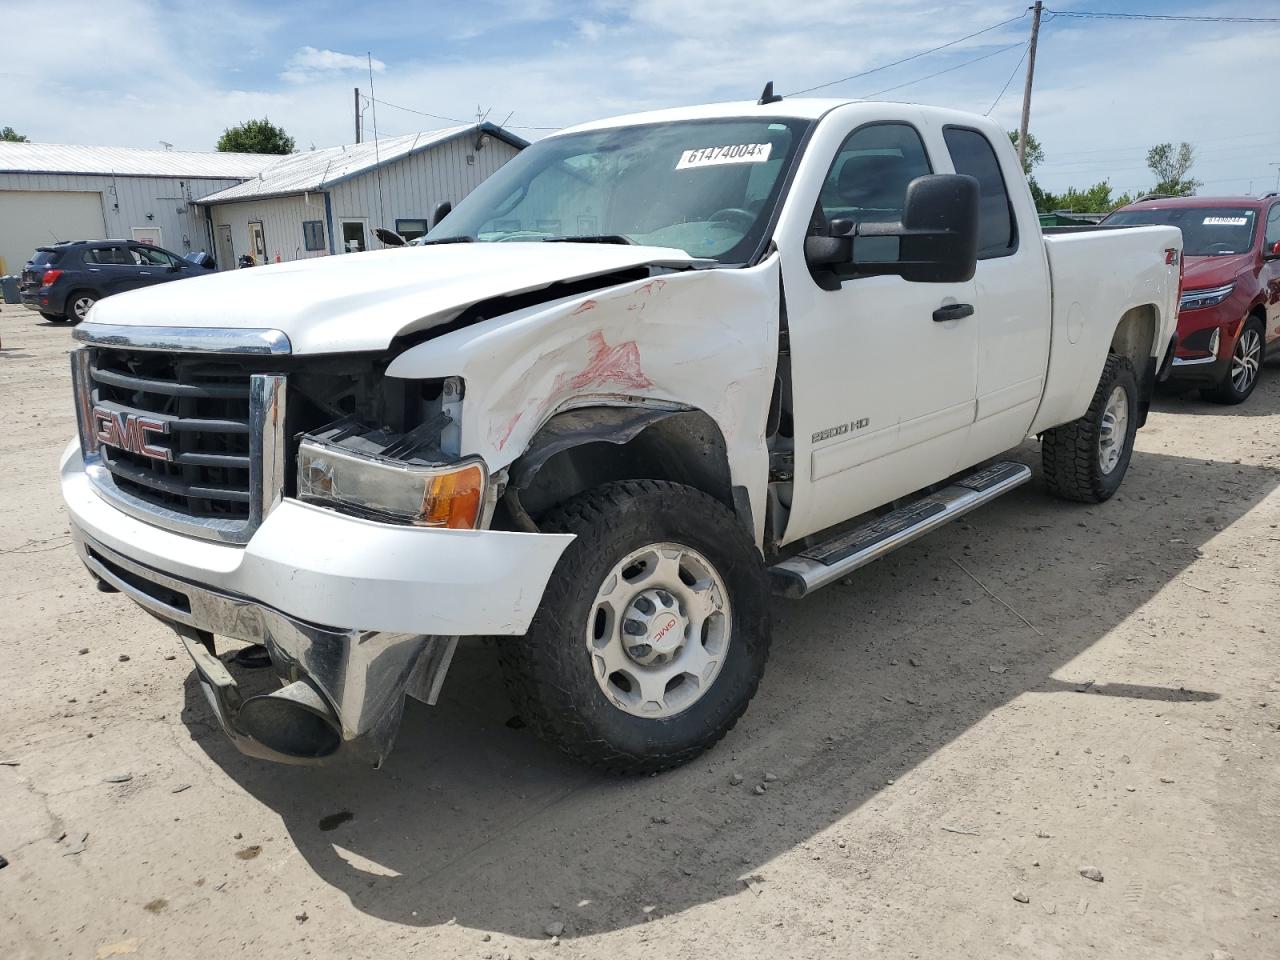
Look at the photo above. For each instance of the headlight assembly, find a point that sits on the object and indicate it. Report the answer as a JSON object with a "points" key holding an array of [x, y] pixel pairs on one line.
{"points": [[426, 495], [1195, 299]]}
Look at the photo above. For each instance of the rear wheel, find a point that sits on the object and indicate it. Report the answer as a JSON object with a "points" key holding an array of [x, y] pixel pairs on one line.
{"points": [[53, 317], [1086, 459], [653, 633], [78, 305], [1246, 362]]}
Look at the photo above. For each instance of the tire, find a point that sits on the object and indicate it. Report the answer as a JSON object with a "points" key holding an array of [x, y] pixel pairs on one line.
{"points": [[79, 303], [53, 317], [561, 674], [1247, 357], [1081, 460]]}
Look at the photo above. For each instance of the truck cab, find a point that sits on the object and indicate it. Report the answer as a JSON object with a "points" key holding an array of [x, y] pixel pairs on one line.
{"points": [[654, 370]]}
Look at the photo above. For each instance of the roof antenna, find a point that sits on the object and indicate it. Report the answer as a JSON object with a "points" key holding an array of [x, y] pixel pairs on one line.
{"points": [[768, 96]]}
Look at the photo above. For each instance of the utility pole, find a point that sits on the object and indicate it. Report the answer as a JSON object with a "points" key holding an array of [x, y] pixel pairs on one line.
{"points": [[357, 114], [1026, 91]]}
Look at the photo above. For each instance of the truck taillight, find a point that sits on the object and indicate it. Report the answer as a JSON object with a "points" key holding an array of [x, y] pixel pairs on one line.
{"points": [[50, 276], [1173, 256]]}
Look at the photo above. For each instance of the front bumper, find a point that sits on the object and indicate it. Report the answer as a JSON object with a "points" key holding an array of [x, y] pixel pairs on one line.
{"points": [[1205, 370], [360, 613]]}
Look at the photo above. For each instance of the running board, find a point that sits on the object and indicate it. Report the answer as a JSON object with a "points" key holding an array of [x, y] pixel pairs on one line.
{"points": [[822, 563]]}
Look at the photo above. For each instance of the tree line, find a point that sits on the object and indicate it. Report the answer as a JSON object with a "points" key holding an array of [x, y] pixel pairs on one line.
{"points": [[1170, 165]]}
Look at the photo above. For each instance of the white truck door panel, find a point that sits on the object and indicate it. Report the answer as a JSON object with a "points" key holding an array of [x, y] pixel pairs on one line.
{"points": [[883, 395], [1012, 290]]}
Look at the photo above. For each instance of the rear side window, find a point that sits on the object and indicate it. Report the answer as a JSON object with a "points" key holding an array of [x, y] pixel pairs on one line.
{"points": [[972, 154], [111, 256]]}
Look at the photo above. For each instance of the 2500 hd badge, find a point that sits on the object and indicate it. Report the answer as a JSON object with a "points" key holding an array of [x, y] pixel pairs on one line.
{"points": [[840, 429]]}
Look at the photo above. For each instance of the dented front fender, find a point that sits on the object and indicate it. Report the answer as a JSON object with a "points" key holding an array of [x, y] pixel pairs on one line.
{"points": [[706, 339]]}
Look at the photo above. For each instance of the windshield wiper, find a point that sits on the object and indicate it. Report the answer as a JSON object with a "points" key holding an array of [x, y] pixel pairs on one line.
{"points": [[427, 243], [597, 238]]}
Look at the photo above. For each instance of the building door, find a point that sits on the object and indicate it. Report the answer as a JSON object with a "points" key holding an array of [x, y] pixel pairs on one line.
{"points": [[226, 249], [257, 242], [35, 218], [355, 233]]}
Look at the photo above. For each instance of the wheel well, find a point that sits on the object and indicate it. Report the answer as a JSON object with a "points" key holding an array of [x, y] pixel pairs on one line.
{"points": [[1135, 336], [621, 444]]}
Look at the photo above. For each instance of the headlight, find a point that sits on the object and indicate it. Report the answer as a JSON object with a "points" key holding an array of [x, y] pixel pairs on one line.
{"points": [[1195, 299], [446, 495]]}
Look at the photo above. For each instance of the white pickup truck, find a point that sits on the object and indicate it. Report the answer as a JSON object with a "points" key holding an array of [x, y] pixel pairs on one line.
{"points": [[653, 370]]}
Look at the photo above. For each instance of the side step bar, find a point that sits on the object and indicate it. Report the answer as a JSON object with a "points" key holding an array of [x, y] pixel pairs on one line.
{"points": [[822, 563]]}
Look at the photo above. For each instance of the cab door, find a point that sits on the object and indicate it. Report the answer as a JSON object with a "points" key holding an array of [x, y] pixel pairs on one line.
{"points": [[1012, 307], [883, 371]]}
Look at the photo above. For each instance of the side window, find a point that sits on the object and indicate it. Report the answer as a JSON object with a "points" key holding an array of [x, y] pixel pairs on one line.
{"points": [[971, 153], [111, 256], [151, 257], [1273, 226], [868, 179]]}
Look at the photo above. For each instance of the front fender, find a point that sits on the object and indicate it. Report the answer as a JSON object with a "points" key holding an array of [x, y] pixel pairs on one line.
{"points": [[705, 339]]}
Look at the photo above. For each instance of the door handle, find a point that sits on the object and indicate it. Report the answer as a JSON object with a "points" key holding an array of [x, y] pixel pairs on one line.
{"points": [[953, 311]]}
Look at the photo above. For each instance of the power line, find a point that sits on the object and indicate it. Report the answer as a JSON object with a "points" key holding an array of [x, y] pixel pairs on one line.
{"points": [[1013, 74], [1160, 16], [930, 76], [914, 56], [437, 116]]}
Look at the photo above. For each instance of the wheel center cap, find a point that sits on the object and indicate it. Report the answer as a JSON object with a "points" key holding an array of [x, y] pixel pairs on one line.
{"points": [[653, 628]]}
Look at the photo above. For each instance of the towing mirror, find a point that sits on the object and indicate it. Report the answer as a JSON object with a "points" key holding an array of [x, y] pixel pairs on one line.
{"points": [[937, 237]]}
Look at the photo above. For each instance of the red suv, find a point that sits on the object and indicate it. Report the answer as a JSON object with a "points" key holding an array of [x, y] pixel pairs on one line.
{"points": [[1230, 307]]}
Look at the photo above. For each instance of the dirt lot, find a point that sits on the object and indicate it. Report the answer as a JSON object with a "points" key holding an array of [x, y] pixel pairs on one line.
{"points": [[934, 755]]}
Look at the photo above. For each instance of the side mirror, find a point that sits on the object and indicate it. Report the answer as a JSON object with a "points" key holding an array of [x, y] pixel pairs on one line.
{"points": [[937, 237], [1271, 252], [389, 238], [442, 211]]}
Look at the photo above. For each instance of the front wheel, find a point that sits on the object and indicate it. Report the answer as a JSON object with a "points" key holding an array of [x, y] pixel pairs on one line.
{"points": [[653, 633], [1086, 459], [1242, 375]]}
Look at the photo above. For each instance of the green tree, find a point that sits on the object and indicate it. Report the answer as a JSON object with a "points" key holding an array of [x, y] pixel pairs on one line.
{"points": [[11, 135], [255, 136], [1171, 168], [1034, 153]]}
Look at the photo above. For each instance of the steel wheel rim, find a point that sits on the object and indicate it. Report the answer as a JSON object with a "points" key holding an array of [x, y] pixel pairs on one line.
{"points": [[1245, 359], [1114, 430], [80, 307], [659, 630]]}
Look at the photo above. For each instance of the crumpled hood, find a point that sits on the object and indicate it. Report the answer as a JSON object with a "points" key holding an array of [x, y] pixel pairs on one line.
{"points": [[362, 301], [1199, 273]]}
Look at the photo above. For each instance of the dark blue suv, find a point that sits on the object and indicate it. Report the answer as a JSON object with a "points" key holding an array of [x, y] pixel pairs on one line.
{"points": [[63, 281]]}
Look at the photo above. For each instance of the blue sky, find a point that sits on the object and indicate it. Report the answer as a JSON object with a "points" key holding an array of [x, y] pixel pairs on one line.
{"points": [[137, 72]]}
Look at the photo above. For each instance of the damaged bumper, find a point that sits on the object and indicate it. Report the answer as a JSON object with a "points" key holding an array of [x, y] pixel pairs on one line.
{"points": [[354, 614]]}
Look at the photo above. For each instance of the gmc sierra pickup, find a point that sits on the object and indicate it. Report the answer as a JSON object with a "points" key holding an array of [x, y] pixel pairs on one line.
{"points": [[653, 370]]}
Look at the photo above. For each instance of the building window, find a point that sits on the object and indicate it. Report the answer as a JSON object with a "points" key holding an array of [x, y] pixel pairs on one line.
{"points": [[313, 234], [411, 229]]}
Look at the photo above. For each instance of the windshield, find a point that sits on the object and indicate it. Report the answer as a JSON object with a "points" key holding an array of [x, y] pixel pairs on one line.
{"points": [[1206, 231], [707, 187]]}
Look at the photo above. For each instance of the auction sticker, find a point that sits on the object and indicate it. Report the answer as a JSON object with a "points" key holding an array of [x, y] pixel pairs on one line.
{"points": [[1225, 221], [718, 156]]}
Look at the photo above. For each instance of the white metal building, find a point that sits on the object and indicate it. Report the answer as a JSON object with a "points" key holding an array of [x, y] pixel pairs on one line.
{"points": [[54, 192], [328, 201]]}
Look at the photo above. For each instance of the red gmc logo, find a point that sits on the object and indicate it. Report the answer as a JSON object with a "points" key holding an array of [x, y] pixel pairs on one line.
{"points": [[130, 431]]}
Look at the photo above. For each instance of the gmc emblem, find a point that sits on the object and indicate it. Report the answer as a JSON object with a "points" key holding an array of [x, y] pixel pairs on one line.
{"points": [[130, 431]]}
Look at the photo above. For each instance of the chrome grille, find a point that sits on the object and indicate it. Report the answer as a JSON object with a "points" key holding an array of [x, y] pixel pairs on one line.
{"points": [[212, 463]]}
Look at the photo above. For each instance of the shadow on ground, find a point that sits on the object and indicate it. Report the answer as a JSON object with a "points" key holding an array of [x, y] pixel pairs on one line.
{"points": [[476, 820]]}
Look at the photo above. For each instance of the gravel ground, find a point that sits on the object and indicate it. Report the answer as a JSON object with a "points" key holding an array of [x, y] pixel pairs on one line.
{"points": [[938, 773]]}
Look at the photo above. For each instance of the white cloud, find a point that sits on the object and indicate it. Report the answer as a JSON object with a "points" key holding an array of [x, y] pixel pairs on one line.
{"points": [[310, 64]]}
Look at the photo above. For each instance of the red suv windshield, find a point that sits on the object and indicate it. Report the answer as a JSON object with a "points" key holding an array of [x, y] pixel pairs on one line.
{"points": [[1206, 231]]}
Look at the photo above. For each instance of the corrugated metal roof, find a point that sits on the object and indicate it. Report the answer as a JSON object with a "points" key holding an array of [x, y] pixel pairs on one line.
{"points": [[317, 169], [129, 161]]}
